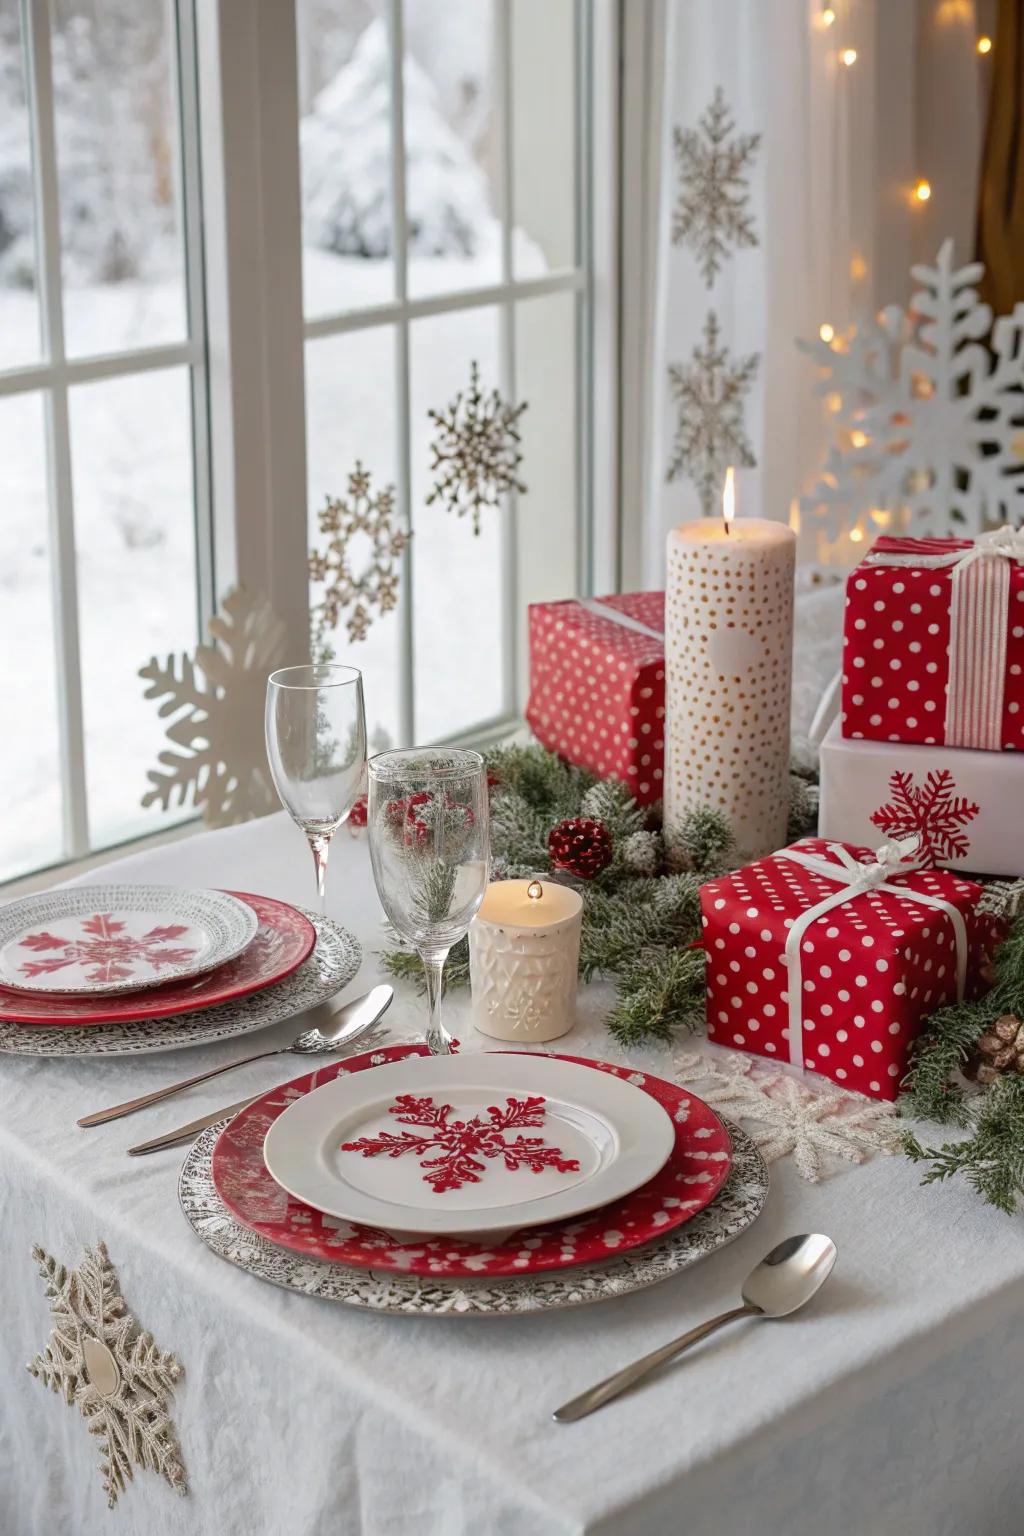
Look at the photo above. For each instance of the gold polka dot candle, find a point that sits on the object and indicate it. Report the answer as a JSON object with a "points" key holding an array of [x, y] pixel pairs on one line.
{"points": [[728, 666]]}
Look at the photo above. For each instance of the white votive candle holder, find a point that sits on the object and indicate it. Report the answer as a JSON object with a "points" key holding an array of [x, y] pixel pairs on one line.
{"points": [[524, 956]]}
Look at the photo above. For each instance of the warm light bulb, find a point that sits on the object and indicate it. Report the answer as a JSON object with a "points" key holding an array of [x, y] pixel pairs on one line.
{"points": [[984, 45], [923, 190], [826, 332], [729, 498], [858, 439], [856, 535], [849, 56], [858, 267], [828, 16], [833, 403]]}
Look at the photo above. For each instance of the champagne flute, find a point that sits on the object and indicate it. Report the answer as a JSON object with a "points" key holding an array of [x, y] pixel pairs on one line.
{"points": [[429, 846], [316, 747]]}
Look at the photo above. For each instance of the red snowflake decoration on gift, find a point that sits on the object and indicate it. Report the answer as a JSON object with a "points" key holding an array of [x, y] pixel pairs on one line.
{"points": [[112, 952], [461, 1144], [933, 812]]}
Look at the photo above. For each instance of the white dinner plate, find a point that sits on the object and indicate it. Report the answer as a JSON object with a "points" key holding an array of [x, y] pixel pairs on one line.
{"points": [[476, 1144], [103, 939]]}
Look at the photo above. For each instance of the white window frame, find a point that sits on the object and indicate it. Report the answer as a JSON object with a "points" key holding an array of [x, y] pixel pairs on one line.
{"points": [[56, 374], [249, 117]]}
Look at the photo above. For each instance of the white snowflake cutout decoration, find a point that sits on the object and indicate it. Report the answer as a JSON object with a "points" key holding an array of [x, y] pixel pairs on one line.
{"points": [[102, 1362], [710, 392], [711, 213], [218, 753], [927, 411], [932, 812]]}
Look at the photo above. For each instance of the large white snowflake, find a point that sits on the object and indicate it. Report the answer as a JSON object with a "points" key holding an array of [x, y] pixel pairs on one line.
{"points": [[102, 1362], [927, 411], [815, 1128], [710, 393], [711, 213], [218, 753]]}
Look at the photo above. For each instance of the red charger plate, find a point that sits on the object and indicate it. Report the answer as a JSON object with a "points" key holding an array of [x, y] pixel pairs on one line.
{"points": [[695, 1172], [282, 941]]}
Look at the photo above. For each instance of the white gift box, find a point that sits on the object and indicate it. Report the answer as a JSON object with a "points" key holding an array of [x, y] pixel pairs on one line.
{"points": [[968, 806]]}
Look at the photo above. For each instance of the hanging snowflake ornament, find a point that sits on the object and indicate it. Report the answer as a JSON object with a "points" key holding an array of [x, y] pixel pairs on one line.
{"points": [[710, 393], [934, 812], [218, 756], [101, 1361], [476, 451], [927, 412], [712, 213], [365, 517]]}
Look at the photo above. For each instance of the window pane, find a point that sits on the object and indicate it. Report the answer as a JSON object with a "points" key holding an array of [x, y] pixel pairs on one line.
{"points": [[452, 145], [345, 102], [131, 447], [544, 179], [118, 157], [457, 580], [546, 515], [30, 793], [19, 307], [350, 415]]}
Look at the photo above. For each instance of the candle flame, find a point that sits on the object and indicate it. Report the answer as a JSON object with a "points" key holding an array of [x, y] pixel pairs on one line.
{"points": [[535, 890], [729, 498]]}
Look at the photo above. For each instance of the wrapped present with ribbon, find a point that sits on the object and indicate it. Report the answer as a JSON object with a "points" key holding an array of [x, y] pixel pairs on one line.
{"points": [[934, 643], [597, 686], [829, 957]]}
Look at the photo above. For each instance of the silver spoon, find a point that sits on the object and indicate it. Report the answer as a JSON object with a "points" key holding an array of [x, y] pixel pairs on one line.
{"points": [[784, 1281], [345, 1025]]}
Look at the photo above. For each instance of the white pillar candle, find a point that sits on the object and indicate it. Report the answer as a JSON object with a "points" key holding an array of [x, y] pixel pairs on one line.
{"points": [[524, 955], [728, 666]]}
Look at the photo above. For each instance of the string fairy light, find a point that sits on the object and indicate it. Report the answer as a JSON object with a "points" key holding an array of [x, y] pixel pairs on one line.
{"points": [[849, 57], [922, 190], [984, 44], [826, 332], [828, 16]]}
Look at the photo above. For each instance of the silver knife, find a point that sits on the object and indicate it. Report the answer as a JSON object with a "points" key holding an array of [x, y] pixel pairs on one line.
{"points": [[191, 1131], [349, 1021]]}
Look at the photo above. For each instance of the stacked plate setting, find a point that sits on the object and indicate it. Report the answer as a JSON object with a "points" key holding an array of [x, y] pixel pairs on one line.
{"points": [[94, 970], [411, 1183]]}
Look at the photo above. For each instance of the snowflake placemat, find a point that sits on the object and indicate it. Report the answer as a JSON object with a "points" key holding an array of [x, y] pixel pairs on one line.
{"points": [[820, 1129], [102, 1362]]}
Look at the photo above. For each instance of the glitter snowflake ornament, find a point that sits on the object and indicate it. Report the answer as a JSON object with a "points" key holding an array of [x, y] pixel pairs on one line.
{"points": [[710, 393], [218, 756], [927, 412], [361, 516], [932, 812], [711, 214], [476, 451], [102, 1362]]}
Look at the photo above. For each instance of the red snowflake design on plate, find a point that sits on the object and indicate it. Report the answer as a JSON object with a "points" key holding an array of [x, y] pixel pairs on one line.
{"points": [[933, 811], [462, 1143], [108, 950]]}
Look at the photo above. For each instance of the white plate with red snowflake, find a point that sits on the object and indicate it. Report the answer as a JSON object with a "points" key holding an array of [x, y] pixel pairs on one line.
{"points": [[107, 939], [467, 1145]]}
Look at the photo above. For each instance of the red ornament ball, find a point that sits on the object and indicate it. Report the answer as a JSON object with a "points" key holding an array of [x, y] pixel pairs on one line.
{"points": [[580, 845]]}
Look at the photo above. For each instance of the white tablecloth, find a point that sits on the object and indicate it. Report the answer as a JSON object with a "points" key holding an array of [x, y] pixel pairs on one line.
{"points": [[890, 1406]]}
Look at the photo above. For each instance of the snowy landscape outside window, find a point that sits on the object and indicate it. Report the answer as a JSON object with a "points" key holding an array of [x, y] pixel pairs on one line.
{"points": [[468, 112], [101, 351]]}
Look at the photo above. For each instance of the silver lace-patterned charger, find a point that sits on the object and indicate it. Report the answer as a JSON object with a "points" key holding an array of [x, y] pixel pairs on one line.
{"points": [[335, 960], [731, 1213]]}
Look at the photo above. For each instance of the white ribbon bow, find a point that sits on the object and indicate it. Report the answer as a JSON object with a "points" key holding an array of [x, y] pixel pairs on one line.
{"points": [[892, 860]]}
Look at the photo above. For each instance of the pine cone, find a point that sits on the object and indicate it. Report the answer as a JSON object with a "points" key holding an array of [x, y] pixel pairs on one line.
{"points": [[580, 845], [1000, 1050]]}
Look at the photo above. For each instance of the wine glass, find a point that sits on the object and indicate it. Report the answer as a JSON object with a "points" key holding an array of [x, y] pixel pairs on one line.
{"points": [[316, 746], [429, 845]]}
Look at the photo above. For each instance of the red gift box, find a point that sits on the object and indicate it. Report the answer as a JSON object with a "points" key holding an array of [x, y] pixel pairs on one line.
{"points": [[597, 686], [863, 973], [934, 643]]}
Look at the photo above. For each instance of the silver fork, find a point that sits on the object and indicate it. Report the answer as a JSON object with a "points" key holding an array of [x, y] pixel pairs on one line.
{"points": [[349, 1022]]}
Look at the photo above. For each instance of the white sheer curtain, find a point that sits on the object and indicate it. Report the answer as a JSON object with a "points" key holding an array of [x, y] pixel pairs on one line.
{"points": [[831, 196]]}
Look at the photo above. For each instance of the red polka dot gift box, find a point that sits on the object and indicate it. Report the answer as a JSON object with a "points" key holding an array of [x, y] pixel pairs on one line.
{"points": [[829, 957], [597, 686], [934, 643]]}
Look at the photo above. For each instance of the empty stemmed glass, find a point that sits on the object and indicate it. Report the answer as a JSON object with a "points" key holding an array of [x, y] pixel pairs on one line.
{"points": [[316, 746], [429, 845]]}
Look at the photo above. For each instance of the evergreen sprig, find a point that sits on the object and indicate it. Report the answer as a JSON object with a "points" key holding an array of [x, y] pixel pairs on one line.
{"points": [[992, 1159]]}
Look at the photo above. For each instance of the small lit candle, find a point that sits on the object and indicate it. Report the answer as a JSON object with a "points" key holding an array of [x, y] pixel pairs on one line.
{"points": [[524, 955], [728, 659]]}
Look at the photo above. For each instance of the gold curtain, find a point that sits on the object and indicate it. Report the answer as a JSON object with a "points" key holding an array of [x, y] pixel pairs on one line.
{"points": [[1001, 192]]}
